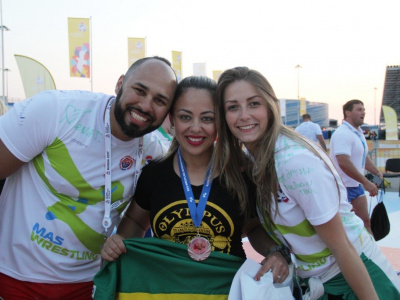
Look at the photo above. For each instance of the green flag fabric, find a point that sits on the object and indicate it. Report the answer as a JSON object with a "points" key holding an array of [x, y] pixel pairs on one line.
{"points": [[156, 269]]}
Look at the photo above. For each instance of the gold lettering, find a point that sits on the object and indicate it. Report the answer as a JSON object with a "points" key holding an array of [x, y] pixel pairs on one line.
{"points": [[220, 229], [162, 226], [207, 214], [187, 214], [168, 221], [178, 213], [215, 222]]}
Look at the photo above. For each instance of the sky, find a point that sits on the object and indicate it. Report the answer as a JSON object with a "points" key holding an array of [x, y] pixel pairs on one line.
{"points": [[342, 46]]}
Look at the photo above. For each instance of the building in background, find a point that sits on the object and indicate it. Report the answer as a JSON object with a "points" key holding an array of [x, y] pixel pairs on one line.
{"points": [[318, 111], [391, 91]]}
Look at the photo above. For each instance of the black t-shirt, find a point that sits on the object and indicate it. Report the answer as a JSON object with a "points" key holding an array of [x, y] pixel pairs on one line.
{"points": [[160, 191]]}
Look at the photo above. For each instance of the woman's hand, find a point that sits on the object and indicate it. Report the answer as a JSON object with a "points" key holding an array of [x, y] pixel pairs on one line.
{"points": [[113, 247], [277, 263]]}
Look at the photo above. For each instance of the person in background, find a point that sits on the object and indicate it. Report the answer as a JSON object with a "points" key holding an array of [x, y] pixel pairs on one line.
{"points": [[72, 160], [300, 196], [165, 133], [3, 110], [311, 130], [166, 187], [349, 153]]}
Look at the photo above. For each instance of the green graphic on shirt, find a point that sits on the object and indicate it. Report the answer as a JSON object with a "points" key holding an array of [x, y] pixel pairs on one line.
{"points": [[303, 229], [68, 209]]}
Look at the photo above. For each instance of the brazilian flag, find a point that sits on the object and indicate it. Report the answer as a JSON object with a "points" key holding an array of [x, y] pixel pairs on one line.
{"points": [[157, 269]]}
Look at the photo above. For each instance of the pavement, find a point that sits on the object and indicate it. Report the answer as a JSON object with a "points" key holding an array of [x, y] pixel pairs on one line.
{"points": [[390, 245]]}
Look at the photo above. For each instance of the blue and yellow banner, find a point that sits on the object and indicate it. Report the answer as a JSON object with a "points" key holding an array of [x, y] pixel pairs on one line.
{"points": [[177, 64], [303, 106], [136, 49], [390, 123], [79, 47], [199, 69], [216, 74]]}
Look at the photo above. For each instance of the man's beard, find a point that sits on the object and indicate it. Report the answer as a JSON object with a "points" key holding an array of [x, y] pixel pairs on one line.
{"points": [[132, 130]]}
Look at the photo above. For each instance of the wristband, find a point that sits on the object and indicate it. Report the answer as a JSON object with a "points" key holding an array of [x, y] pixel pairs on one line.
{"points": [[282, 250]]}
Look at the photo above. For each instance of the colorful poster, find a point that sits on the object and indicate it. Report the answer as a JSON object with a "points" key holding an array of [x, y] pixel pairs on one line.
{"points": [[282, 106], [35, 76], [390, 123], [79, 47], [199, 69], [177, 64], [136, 49], [303, 106], [216, 75]]}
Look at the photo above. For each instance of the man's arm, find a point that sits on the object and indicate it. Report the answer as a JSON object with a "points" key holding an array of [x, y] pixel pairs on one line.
{"points": [[350, 170], [8, 162], [321, 141], [369, 165], [134, 223]]}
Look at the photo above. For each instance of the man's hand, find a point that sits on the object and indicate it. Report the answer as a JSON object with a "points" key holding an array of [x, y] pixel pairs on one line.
{"points": [[371, 187], [113, 248]]}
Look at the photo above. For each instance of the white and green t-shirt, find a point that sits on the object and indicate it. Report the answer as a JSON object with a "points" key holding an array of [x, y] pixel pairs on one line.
{"points": [[52, 207], [309, 196]]}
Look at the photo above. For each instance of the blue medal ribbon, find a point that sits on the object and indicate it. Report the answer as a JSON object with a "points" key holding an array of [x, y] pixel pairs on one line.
{"points": [[196, 211]]}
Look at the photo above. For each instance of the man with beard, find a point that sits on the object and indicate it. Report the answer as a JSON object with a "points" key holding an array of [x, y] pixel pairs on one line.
{"points": [[72, 160], [349, 153]]}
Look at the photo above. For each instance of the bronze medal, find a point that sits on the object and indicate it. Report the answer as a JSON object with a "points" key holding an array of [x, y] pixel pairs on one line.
{"points": [[199, 248]]}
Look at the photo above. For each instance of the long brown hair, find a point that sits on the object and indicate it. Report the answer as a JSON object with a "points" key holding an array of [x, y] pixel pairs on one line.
{"points": [[229, 154]]}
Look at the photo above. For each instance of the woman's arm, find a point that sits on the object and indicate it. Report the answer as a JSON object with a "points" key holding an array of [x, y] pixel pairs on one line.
{"points": [[134, 223], [347, 258], [262, 243]]}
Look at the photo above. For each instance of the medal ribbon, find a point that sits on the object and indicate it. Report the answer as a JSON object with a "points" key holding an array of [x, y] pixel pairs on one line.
{"points": [[196, 211]]}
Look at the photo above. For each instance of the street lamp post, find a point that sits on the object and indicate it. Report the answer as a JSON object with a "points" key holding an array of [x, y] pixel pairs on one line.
{"points": [[2, 28], [7, 70], [298, 81], [375, 88]]}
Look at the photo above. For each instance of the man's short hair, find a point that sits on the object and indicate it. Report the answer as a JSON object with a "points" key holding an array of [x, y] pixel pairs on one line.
{"points": [[348, 106], [306, 117], [139, 62]]}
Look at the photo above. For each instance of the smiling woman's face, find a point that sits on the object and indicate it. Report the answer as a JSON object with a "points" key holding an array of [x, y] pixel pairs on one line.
{"points": [[194, 121], [246, 112]]}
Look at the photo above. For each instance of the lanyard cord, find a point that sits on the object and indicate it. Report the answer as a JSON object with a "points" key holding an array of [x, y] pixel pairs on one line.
{"points": [[107, 174]]}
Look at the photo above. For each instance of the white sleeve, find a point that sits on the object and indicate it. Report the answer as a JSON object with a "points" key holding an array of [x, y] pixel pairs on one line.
{"points": [[30, 126], [343, 143], [154, 149], [318, 130]]}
